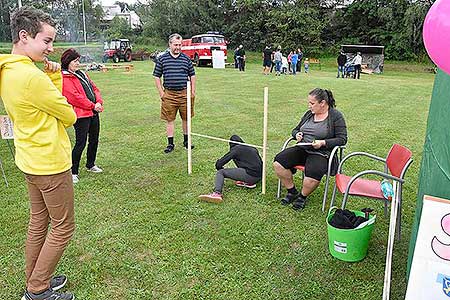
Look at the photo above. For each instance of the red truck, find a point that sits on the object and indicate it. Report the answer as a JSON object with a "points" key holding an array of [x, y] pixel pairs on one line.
{"points": [[199, 48]]}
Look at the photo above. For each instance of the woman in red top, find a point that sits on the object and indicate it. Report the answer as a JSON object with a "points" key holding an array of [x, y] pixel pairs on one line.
{"points": [[87, 102]]}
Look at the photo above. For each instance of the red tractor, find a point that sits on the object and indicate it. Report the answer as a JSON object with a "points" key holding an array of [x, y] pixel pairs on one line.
{"points": [[117, 50]]}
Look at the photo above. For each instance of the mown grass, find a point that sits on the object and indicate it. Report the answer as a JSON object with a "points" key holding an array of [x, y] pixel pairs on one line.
{"points": [[142, 233]]}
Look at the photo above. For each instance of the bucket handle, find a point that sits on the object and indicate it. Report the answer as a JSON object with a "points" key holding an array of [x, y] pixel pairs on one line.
{"points": [[331, 210]]}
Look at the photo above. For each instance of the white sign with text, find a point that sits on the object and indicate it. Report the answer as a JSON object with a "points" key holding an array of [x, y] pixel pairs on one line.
{"points": [[218, 59], [6, 127], [430, 269]]}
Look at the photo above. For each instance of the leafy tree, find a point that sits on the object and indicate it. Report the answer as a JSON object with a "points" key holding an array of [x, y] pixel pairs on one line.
{"points": [[118, 28], [315, 25]]}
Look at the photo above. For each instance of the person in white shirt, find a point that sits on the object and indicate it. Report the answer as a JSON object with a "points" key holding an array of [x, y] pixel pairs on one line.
{"points": [[285, 65], [357, 60]]}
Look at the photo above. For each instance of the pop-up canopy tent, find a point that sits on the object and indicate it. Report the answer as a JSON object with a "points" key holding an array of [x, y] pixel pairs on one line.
{"points": [[434, 178], [372, 56]]}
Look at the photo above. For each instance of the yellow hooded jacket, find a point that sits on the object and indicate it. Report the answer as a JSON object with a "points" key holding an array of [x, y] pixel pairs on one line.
{"points": [[40, 114]]}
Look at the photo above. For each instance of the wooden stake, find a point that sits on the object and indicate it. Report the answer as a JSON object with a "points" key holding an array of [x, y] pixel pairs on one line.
{"points": [[189, 143]]}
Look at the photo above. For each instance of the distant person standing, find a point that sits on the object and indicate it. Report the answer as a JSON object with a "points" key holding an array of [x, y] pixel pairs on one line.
{"points": [[284, 65], [177, 69], [278, 57], [241, 58], [341, 61], [236, 63], [273, 61], [289, 60], [306, 65], [299, 61], [294, 61], [41, 114], [267, 60], [357, 61]]}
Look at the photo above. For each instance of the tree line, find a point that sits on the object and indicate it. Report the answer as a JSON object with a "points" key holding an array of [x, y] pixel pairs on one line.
{"points": [[318, 26]]}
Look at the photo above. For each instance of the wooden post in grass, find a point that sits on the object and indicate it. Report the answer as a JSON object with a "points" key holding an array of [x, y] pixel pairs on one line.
{"points": [[264, 154], [189, 143]]}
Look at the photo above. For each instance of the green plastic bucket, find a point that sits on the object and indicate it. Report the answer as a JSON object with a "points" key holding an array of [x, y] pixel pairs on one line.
{"points": [[349, 244]]}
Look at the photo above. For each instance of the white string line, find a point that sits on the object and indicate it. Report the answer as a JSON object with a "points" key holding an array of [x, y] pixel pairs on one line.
{"points": [[224, 140]]}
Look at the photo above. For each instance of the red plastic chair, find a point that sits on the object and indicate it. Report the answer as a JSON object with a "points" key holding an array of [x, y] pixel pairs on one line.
{"points": [[302, 169], [395, 166]]}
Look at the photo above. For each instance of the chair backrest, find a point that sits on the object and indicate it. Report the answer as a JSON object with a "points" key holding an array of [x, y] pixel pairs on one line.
{"points": [[398, 159]]}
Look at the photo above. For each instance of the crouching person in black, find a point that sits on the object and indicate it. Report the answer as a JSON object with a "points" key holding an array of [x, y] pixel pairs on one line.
{"points": [[324, 127], [247, 173]]}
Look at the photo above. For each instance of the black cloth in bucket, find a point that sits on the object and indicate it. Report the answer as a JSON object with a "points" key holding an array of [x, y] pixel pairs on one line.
{"points": [[346, 219]]}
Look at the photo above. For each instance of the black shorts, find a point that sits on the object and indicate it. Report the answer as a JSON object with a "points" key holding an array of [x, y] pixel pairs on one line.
{"points": [[316, 165], [267, 63]]}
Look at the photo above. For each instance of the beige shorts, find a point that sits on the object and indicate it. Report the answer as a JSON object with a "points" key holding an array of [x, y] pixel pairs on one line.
{"points": [[174, 101]]}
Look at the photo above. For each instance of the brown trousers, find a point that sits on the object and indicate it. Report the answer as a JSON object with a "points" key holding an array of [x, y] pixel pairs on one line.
{"points": [[51, 201]]}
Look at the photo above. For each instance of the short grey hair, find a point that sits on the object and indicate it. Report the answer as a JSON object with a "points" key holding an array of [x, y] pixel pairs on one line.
{"points": [[174, 36]]}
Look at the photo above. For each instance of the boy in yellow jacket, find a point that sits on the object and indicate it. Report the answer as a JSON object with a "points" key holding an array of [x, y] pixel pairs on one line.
{"points": [[40, 115]]}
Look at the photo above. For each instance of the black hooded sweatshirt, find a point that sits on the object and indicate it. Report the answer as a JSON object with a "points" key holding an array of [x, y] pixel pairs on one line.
{"points": [[245, 157]]}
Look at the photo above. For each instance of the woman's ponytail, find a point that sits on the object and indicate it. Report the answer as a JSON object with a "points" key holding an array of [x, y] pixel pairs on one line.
{"points": [[323, 95]]}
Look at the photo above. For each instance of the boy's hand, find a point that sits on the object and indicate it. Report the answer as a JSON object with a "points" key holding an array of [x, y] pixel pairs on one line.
{"points": [[51, 66]]}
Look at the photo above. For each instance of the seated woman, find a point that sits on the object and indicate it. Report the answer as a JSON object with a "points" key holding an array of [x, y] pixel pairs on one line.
{"points": [[324, 127]]}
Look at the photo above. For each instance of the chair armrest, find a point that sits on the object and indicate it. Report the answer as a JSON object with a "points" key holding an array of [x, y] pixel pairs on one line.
{"points": [[286, 143], [333, 153], [353, 154], [367, 172], [372, 172]]}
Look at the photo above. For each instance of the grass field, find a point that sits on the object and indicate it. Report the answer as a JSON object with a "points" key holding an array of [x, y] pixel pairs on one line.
{"points": [[142, 234]]}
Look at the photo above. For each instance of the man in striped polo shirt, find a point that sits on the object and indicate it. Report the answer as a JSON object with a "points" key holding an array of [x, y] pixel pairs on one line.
{"points": [[177, 70]]}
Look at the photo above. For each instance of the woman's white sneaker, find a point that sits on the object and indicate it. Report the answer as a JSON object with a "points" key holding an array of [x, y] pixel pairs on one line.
{"points": [[75, 178], [95, 169]]}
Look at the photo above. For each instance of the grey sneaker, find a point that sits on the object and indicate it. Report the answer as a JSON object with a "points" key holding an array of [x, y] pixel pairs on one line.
{"points": [[95, 169], [48, 295], [58, 282]]}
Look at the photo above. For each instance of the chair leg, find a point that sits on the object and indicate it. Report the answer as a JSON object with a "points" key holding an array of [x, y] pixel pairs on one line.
{"points": [[333, 196], [344, 201], [399, 213], [279, 188], [325, 193]]}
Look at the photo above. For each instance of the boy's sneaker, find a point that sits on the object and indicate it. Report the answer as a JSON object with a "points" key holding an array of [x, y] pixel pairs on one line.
{"points": [[58, 282], [289, 198], [169, 148], [75, 178], [245, 184], [48, 295], [213, 197], [185, 144], [95, 169]]}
